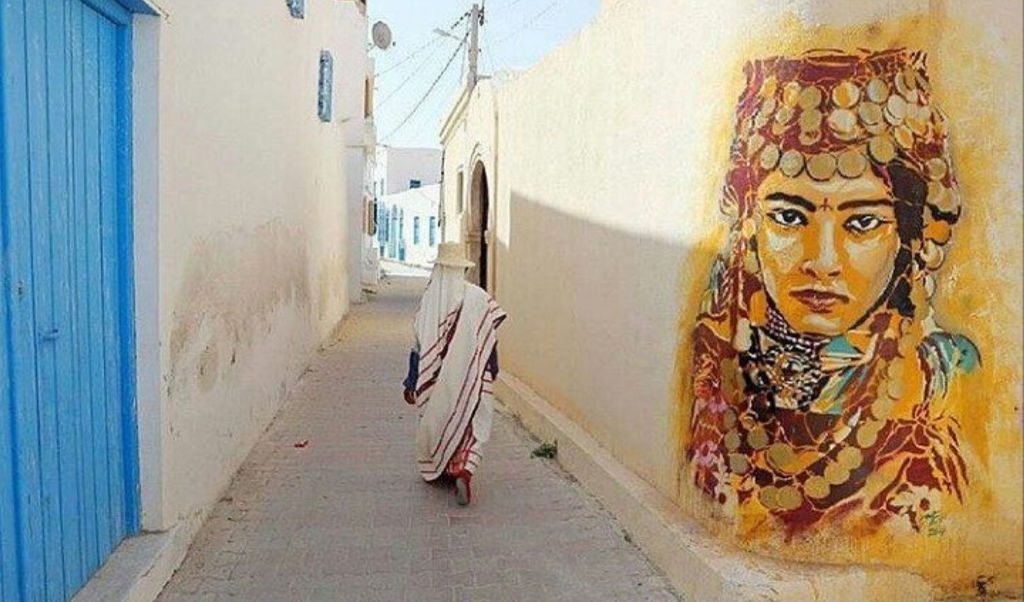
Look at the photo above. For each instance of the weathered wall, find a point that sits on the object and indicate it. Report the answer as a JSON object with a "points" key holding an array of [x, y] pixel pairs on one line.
{"points": [[253, 222], [360, 134], [611, 156]]}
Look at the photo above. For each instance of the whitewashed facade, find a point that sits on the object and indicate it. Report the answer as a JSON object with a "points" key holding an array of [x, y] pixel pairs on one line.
{"points": [[408, 225]]}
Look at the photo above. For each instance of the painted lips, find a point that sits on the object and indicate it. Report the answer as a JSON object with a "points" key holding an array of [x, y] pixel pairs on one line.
{"points": [[819, 302]]}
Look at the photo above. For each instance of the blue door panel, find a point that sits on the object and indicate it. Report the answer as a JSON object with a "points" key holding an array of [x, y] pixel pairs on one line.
{"points": [[44, 158], [94, 293], [8, 529], [111, 342], [65, 406], [87, 163], [90, 555], [68, 456], [24, 454]]}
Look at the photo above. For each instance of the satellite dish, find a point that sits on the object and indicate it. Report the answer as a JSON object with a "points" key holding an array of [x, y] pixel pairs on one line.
{"points": [[381, 35]]}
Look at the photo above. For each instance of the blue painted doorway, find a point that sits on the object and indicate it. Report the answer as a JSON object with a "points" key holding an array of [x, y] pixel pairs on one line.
{"points": [[68, 451]]}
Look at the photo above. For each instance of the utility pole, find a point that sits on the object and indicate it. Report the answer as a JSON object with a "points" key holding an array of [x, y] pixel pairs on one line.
{"points": [[475, 19]]}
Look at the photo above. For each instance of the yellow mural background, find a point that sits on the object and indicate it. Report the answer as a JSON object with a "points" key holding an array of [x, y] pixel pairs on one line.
{"points": [[979, 290]]}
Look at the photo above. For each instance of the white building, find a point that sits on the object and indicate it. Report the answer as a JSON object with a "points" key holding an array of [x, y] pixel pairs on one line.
{"points": [[400, 169], [408, 193], [408, 229], [207, 160]]}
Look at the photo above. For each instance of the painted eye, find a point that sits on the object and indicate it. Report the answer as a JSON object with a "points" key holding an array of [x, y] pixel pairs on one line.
{"points": [[788, 217], [863, 223]]}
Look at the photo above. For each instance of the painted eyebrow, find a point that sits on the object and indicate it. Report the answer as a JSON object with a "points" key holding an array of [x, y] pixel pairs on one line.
{"points": [[864, 203], [792, 199]]}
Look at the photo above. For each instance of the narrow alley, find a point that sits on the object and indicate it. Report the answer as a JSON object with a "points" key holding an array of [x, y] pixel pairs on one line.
{"points": [[328, 505]]}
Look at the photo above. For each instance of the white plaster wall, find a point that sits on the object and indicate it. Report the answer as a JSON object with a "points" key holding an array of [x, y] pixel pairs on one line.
{"points": [[254, 223], [610, 154], [350, 110], [470, 137]]}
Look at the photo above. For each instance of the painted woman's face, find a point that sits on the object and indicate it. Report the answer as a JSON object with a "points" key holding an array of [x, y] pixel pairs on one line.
{"points": [[826, 249]]}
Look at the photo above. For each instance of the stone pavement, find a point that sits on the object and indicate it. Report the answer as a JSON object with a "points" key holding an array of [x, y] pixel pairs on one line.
{"points": [[348, 518]]}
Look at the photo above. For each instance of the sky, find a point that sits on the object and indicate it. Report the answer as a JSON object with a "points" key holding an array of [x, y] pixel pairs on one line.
{"points": [[515, 35]]}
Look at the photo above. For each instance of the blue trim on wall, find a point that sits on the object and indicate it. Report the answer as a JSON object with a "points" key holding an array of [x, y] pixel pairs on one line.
{"points": [[111, 9], [325, 88], [140, 7]]}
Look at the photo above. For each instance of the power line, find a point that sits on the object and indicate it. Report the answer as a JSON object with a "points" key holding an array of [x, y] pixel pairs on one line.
{"points": [[529, 23], [418, 70], [464, 16], [506, 7], [410, 56], [429, 43], [437, 107], [429, 90]]}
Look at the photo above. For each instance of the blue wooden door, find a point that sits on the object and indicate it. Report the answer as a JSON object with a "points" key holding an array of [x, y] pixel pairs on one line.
{"points": [[68, 457]]}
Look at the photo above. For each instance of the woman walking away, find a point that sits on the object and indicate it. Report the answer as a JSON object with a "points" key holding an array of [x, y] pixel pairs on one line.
{"points": [[452, 370]]}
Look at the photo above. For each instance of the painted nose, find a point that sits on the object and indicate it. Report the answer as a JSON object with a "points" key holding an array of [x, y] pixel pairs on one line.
{"points": [[823, 262]]}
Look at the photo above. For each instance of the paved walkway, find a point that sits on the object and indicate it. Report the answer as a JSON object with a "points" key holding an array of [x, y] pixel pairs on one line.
{"points": [[348, 518]]}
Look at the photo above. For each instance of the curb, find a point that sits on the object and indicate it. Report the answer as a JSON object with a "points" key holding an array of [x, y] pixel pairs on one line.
{"points": [[698, 565]]}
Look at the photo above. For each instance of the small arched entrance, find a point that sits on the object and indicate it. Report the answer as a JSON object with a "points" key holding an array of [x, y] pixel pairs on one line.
{"points": [[479, 218]]}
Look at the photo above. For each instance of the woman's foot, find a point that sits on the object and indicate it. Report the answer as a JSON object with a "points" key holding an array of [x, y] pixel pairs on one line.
{"points": [[463, 491]]}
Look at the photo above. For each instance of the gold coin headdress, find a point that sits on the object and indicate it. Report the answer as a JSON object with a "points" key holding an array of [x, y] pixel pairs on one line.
{"points": [[832, 114]]}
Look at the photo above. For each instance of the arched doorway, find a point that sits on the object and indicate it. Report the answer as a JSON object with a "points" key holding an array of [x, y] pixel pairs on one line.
{"points": [[479, 218]]}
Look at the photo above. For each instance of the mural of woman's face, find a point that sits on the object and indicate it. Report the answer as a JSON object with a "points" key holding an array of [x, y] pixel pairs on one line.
{"points": [[827, 250]]}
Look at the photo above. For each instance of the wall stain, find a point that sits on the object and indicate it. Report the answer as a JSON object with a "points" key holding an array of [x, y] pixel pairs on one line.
{"points": [[234, 283]]}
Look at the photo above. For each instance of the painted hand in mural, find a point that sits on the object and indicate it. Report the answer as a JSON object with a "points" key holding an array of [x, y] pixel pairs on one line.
{"points": [[819, 376]]}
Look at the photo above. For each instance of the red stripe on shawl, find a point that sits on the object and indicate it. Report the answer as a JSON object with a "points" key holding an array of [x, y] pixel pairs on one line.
{"points": [[444, 326], [439, 459], [436, 461], [469, 373], [460, 409], [428, 375], [427, 379]]}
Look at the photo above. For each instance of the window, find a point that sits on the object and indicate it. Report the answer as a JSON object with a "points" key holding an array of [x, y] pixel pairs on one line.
{"points": [[416, 230], [297, 8], [459, 185], [415, 183], [433, 231], [401, 235], [384, 230], [325, 92], [393, 233]]}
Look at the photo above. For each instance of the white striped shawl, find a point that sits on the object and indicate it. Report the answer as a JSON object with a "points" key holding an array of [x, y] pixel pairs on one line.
{"points": [[451, 381]]}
